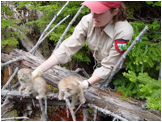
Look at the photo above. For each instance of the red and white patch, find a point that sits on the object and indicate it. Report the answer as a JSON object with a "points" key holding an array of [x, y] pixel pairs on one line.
{"points": [[120, 44]]}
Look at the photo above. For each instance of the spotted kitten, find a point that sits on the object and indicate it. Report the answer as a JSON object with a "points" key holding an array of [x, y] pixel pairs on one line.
{"points": [[36, 86], [70, 87]]}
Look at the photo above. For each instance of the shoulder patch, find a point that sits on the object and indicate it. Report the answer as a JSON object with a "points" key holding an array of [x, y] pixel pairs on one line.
{"points": [[120, 44]]}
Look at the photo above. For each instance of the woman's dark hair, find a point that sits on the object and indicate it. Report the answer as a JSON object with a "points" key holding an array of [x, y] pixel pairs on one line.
{"points": [[121, 16]]}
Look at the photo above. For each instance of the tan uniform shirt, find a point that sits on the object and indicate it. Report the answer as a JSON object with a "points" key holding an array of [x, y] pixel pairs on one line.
{"points": [[101, 43]]}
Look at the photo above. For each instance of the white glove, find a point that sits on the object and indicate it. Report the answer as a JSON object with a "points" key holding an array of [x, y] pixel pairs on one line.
{"points": [[37, 72], [84, 84]]}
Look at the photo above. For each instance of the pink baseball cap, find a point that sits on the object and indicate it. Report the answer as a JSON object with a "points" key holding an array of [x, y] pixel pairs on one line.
{"points": [[101, 6]]}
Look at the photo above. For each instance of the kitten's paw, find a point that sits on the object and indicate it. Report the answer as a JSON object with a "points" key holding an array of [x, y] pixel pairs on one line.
{"points": [[25, 92], [82, 101], [20, 91], [60, 98], [39, 97]]}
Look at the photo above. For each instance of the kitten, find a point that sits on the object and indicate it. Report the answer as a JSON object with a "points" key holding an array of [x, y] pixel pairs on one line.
{"points": [[36, 86], [70, 87]]}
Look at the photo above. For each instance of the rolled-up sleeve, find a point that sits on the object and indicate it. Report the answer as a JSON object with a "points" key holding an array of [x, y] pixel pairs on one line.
{"points": [[72, 44], [107, 64]]}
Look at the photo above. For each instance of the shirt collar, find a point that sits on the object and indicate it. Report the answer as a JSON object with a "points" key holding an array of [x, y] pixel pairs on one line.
{"points": [[109, 29]]}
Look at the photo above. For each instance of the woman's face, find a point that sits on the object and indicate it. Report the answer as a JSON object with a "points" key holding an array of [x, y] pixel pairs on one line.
{"points": [[101, 20]]}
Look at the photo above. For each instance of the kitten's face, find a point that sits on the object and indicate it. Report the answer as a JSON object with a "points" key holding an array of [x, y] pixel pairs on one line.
{"points": [[24, 75], [70, 92]]}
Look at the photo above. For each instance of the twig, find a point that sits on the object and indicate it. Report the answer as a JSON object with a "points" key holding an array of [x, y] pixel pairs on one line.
{"points": [[67, 111], [6, 101], [71, 110], [12, 76], [78, 108], [105, 84], [40, 38], [85, 113], [82, 70], [107, 112], [45, 105], [8, 108], [15, 85], [39, 42], [12, 118], [57, 114], [66, 30], [95, 114], [44, 118], [11, 61]]}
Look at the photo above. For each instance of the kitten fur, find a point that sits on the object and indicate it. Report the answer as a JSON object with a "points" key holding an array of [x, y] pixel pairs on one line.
{"points": [[36, 86], [70, 87]]}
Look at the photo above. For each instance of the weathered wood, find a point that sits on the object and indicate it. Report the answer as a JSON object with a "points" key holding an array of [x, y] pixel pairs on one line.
{"points": [[109, 102]]}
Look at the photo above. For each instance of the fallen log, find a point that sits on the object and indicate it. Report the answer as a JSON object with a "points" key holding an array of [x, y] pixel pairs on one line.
{"points": [[108, 102]]}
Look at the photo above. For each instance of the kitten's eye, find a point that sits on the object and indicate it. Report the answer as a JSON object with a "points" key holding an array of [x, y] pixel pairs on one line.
{"points": [[68, 89]]}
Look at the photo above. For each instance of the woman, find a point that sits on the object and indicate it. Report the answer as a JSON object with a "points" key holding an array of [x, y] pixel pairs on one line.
{"points": [[106, 31]]}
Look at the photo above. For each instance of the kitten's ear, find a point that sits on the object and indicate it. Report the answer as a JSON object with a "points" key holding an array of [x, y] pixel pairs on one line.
{"points": [[29, 71], [68, 89], [76, 83]]}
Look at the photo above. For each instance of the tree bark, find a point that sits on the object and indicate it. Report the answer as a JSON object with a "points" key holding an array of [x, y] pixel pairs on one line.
{"points": [[108, 102]]}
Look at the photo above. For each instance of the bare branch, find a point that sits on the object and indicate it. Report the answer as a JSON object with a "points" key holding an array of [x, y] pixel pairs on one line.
{"points": [[105, 84], [78, 108], [6, 101], [39, 42], [42, 37], [95, 114], [13, 118], [71, 110], [12, 76], [85, 113], [57, 114], [66, 30], [43, 117], [11, 61], [82, 70], [105, 111]]}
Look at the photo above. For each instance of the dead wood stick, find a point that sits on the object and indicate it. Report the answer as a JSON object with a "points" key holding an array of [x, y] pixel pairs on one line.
{"points": [[82, 70], [71, 110], [107, 112], [85, 113], [66, 30], [95, 114], [11, 61], [39, 42], [42, 37], [6, 101], [12, 118], [57, 114], [12, 76], [43, 117], [106, 83]]}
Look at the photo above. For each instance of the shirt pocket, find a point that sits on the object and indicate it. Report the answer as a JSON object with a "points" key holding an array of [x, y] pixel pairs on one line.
{"points": [[92, 43], [106, 47]]}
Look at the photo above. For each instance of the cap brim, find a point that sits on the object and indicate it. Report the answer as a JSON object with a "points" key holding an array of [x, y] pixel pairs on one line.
{"points": [[96, 7]]}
